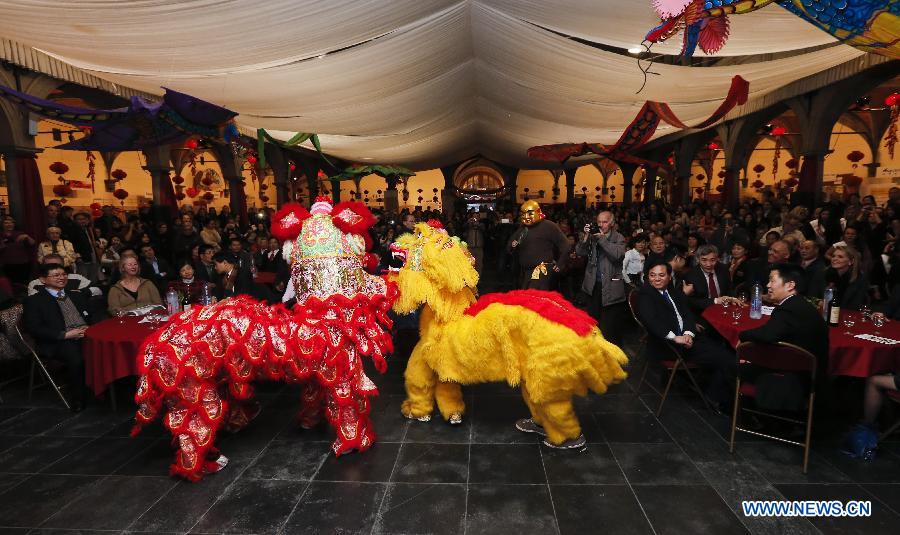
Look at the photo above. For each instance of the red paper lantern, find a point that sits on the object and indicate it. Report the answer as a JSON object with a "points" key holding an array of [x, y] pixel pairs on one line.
{"points": [[792, 163], [778, 131], [59, 168], [208, 196], [62, 190], [179, 196], [192, 192], [97, 212], [264, 198], [322, 175], [713, 145], [698, 190], [178, 180], [791, 182], [855, 156], [191, 144], [263, 187], [892, 100], [118, 174], [759, 168], [435, 190], [252, 159], [293, 166], [420, 198], [700, 176], [96, 206], [720, 188], [120, 194], [758, 184], [721, 174]]}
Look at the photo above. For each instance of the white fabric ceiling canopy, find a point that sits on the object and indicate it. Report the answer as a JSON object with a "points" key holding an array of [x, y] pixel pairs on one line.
{"points": [[422, 83]]}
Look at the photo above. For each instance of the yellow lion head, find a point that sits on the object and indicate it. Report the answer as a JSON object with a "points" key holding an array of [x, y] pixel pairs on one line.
{"points": [[437, 268]]}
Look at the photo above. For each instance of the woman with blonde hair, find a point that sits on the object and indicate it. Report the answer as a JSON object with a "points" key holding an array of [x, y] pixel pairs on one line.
{"points": [[131, 291], [845, 277]]}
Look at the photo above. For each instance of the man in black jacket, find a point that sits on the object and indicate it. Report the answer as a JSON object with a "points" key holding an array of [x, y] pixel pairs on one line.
{"points": [[155, 269], [813, 269], [238, 281], [710, 281], [665, 314], [58, 319]]}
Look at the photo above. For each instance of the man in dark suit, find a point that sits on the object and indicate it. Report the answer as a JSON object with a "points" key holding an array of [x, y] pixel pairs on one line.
{"points": [[205, 268], [710, 280], [57, 319], [813, 269], [238, 281], [665, 314], [155, 269], [725, 236]]}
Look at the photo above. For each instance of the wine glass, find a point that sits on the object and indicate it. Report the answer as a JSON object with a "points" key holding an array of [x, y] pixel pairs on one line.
{"points": [[744, 299], [736, 313], [726, 304], [878, 321], [849, 321], [866, 313], [120, 314]]}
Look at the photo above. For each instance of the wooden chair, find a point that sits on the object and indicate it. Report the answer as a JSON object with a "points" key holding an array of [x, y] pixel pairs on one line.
{"points": [[37, 361], [673, 365], [781, 357]]}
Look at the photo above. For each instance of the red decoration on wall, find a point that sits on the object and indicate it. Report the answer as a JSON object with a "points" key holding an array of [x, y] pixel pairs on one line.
{"points": [[892, 100], [191, 144], [120, 194], [890, 140], [699, 191], [118, 174], [759, 168], [791, 164], [758, 184], [208, 196], [178, 180], [252, 159], [92, 169], [59, 168], [63, 190], [206, 181], [713, 145], [791, 182], [779, 131], [720, 188], [179, 196], [293, 167], [851, 180], [855, 156], [192, 192]]}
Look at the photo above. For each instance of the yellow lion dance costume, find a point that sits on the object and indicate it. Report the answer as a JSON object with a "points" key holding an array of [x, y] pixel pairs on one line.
{"points": [[530, 338]]}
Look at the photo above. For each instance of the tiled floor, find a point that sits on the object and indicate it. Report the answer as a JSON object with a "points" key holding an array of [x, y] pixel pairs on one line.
{"points": [[61, 473]]}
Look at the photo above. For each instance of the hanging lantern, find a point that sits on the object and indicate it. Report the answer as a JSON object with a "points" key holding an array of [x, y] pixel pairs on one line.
{"points": [[720, 188], [759, 168], [62, 190], [263, 187], [700, 176], [419, 190], [206, 181], [96, 206], [779, 131], [855, 156], [252, 159], [322, 175], [180, 196], [378, 192], [851, 180], [59, 168], [208, 196], [420, 198], [584, 188], [435, 190], [792, 163], [118, 174], [758, 184], [191, 144], [892, 100], [713, 145], [178, 180], [120, 194], [699, 191], [192, 192], [293, 167], [721, 174], [791, 182]]}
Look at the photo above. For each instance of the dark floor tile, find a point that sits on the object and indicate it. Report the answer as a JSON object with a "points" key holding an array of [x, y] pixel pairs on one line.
{"points": [[888, 494], [9, 441], [506, 464], [631, 427], [439, 431], [152, 430], [882, 520], [252, 506], [666, 506], [432, 463], [30, 503], [250, 441], [692, 433], [36, 454], [93, 422], [113, 503], [614, 403], [101, 457], [388, 422], [288, 460], [513, 509], [14, 531], [594, 466], [782, 463], [374, 465], [49, 531], [738, 481], [7, 413], [434, 509], [336, 508], [882, 469], [36, 421], [598, 508], [8, 481], [182, 506], [154, 460], [656, 464], [494, 420]]}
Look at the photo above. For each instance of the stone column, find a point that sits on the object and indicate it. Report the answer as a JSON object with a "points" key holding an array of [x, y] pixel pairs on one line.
{"points": [[570, 186], [19, 193], [391, 201], [448, 194]]}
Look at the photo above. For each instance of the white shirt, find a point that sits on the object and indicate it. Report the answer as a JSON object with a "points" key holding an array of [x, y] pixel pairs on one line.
{"points": [[83, 283], [632, 264], [715, 281], [671, 335]]}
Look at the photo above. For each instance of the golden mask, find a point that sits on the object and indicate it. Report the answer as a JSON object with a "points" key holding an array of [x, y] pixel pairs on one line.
{"points": [[530, 213]]}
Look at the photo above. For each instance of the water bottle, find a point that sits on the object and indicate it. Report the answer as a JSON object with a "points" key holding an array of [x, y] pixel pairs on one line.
{"points": [[826, 302], [173, 305], [756, 303], [204, 295]]}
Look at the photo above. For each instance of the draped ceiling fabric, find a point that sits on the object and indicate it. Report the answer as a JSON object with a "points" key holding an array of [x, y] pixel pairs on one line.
{"points": [[419, 83]]}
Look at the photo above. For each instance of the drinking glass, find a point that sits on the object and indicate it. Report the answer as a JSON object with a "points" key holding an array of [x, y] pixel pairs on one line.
{"points": [[849, 322], [744, 298], [878, 321], [866, 313], [725, 306], [736, 313], [121, 317]]}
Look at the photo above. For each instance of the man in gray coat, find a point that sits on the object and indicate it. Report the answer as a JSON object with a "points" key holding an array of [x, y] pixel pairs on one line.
{"points": [[605, 251]]}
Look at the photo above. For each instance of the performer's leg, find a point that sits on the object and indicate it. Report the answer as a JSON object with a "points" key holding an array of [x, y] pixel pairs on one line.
{"points": [[559, 421], [450, 401], [420, 385], [312, 404], [194, 423], [536, 415], [348, 416]]}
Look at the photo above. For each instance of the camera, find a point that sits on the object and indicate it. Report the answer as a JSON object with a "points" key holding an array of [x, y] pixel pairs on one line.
{"points": [[392, 222], [594, 229]]}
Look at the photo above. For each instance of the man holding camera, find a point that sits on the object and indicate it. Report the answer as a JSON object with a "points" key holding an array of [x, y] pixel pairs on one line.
{"points": [[604, 248]]}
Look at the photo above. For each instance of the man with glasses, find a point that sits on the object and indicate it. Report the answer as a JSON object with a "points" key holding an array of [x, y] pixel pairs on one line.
{"points": [[58, 319]]}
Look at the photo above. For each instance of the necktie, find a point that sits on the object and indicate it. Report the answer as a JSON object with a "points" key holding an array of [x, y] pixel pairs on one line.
{"points": [[713, 292], [53, 247], [675, 310]]}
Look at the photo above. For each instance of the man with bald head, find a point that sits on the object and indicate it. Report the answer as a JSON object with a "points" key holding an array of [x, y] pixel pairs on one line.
{"points": [[758, 271], [605, 248]]}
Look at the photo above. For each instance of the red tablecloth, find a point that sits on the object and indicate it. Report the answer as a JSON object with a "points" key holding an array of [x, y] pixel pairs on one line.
{"points": [[265, 277], [111, 350], [847, 355]]}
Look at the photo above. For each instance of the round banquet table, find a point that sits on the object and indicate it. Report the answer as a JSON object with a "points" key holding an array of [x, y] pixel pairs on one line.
{"points": [[111, 351], [847, 355]]}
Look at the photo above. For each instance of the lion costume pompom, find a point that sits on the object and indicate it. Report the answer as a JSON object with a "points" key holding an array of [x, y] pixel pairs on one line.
{"points": [[530, 338]]}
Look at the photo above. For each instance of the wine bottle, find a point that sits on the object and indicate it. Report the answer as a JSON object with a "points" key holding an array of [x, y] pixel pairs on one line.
{"points": [[834, 309], [185, 301]]}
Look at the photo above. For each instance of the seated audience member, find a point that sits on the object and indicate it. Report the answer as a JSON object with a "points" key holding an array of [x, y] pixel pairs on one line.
{"points": [[892, 306], [658, 249], [633, 263], [866, 432], [188, 284], [667, 317], [737, 269], [204, 267], [779, 252], [54, 244], [131, 291], [154, 268], [709, 279], [813, 269], [846, 278], [74, 281], [58, 319], [237, 281], [794, 320]]}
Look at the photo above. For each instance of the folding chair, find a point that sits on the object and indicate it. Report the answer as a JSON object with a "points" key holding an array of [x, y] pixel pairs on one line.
{"points": [[894, 396], [29, 345], [672, 365], [780, 357]]}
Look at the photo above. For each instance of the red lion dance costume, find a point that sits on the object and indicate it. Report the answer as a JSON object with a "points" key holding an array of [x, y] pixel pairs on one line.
{"points": [[199, 367]]}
